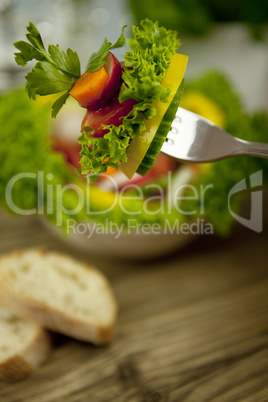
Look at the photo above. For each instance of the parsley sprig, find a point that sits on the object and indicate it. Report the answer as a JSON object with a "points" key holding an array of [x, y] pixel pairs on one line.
{"points": [[55, 70]]}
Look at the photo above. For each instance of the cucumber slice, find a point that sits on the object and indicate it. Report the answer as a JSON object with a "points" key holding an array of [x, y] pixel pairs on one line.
{"points": [[161, 133], [140, 144]]}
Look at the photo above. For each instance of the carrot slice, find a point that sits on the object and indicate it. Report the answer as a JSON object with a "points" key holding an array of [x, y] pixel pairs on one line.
{"points": [[89, 87]]}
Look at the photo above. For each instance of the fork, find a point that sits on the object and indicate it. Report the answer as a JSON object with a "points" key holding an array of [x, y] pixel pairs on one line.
{"points": [[192, 138]]}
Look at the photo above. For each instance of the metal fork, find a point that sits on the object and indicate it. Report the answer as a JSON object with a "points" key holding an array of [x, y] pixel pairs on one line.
{"points": [[193, 138]]}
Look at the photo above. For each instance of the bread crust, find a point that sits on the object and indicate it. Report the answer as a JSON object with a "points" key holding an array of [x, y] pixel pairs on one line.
{"points": [[22, 364], [53, 319]]}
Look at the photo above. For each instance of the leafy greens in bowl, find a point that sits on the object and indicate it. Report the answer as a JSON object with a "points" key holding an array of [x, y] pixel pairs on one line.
{"points": [[34, 179]]}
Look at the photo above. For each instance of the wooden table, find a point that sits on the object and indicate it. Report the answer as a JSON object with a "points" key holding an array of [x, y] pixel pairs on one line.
{"points": [[193, 326]]}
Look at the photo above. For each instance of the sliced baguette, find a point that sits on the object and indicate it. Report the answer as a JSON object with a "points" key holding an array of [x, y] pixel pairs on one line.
{"points": [[59, 293], [23, 346]]}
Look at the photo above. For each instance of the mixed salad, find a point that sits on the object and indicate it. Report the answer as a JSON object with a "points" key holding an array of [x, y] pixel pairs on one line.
{"points": [[26, 147], [47, 164], [130, 105]]}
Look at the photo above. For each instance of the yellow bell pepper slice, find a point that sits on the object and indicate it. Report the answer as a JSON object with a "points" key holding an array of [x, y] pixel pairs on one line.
{"points": [[140, 145]]}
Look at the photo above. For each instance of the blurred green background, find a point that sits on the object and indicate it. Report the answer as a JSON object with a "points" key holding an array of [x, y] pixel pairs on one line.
{"points": [[196, 17]]}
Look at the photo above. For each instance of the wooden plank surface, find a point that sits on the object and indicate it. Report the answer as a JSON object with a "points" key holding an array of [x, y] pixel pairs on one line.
{"points": [[193, 326]]}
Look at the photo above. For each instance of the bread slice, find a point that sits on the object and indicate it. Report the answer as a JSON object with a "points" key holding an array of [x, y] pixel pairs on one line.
{"points": [[59, 293], [23, 346]]}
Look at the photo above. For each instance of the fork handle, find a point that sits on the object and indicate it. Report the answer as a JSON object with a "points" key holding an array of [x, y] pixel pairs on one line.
{"points": [[251, 148]]}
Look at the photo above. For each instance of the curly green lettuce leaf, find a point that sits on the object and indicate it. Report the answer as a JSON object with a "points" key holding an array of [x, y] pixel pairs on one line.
{"points": [[24, 148], [32, 176], [147, 62], [110, 150], [146, 65]]}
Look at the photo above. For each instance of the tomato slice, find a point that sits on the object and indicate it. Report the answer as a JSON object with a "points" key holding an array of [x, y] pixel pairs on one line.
{"points": [[94, 122]]}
